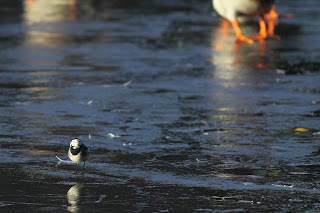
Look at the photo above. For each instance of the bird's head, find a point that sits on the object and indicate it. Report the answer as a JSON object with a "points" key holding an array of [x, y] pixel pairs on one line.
{"points": [[75, 143]]}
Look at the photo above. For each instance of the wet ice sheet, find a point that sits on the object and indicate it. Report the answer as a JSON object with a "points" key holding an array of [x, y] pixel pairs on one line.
{"points": [[203, 123]]}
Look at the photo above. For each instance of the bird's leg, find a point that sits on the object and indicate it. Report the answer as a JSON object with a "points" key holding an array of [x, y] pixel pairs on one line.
{"points": [[271, 25], [239, 36], [84, 163], [272, 13], [76, 169], [263, 30], [225, 24], [272, 18]]}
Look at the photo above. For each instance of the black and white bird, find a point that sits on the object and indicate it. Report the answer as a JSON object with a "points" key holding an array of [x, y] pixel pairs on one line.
{"points": [[78, 152]]}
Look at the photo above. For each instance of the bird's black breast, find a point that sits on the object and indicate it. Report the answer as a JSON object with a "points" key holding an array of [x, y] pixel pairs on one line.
{"points": [[75, 151], [82, 148]]}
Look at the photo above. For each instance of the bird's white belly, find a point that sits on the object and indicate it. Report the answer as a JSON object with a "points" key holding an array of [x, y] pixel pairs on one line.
{"points": [[230, 9], [75, 158]]}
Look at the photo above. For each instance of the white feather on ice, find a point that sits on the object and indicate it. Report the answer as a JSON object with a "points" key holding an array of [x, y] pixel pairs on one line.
{"points": [[111, 135]]}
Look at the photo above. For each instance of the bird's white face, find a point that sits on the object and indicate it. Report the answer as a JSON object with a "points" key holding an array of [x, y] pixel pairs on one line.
{"points": [[75, 143]]}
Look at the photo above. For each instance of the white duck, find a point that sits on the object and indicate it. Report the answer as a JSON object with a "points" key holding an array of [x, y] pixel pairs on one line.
{"points": [[242, 10]]}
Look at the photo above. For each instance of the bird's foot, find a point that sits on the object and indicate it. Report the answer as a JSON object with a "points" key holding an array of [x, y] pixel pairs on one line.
{"points": [[243, 39], [273, 36], [240, 38], [263, 37], [259, 36]]}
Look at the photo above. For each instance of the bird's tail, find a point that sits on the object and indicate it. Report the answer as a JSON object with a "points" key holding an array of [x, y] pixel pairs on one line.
{"points": [[59, 158], [64, 161]]}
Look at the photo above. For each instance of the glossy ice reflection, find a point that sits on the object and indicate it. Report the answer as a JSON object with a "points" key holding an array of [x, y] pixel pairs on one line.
{"points": [[74, 196], [179, 116]]}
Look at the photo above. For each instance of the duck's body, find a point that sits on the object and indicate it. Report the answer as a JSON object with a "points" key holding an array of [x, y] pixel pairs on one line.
{"points": [[78, 152], [242, 10]]}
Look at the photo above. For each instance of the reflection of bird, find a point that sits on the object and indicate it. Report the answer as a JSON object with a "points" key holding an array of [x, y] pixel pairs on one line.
{"points": [[74, 197], [78, 152], [73, 194], [241, 10]]}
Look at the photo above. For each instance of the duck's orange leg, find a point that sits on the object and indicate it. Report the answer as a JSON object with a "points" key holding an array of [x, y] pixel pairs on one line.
{"points": [[239, 36], [263, 30], [225, 24], [272, 13], [272, 18], [271, 25]]}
